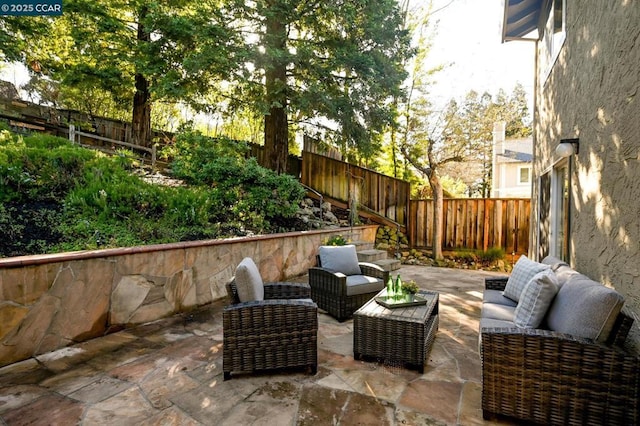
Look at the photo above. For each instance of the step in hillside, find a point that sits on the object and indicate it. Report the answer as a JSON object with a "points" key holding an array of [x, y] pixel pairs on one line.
{"points": [[371, 255], [389, 264], [380, 258], [362, 246], [367, 253]]}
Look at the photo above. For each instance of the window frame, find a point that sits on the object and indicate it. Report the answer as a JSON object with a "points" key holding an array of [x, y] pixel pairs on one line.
{"points": [[529, 175], [554, 36]]}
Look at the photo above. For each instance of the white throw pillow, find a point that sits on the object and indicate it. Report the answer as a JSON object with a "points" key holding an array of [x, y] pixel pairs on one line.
{"points": [[536, 299], [522, 273], [340, 259], [248, 281]]}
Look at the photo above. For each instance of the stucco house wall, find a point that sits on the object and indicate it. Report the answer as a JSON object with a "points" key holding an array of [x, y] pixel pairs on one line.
{"points": [[592, 92]]}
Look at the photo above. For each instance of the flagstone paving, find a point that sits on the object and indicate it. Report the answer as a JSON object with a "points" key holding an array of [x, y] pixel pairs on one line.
{"points": [[169, 372]]}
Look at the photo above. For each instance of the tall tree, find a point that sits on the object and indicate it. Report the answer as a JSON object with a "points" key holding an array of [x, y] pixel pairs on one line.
{"points": [[416, 101], [417, 142], [332, 65], [473, 123], [428, 148], [276, 59], [462, 133], [140, 52]]}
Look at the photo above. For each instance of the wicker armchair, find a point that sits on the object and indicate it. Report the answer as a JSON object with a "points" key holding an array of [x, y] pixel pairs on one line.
{"points": [[329, 289], [547, 377], [278, 332]]}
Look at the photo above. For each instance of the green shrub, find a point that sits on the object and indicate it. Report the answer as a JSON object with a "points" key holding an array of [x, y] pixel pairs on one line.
{"points": [[491, 255], [245, 195], [44, 141], [466, 256], [55, 196], [36, 173], [115, 208], [26, 229], [336, 240], [39, 168], [192, 151]]}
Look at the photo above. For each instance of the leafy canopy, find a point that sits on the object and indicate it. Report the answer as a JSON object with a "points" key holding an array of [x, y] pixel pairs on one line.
{"points": [[343, 64]]}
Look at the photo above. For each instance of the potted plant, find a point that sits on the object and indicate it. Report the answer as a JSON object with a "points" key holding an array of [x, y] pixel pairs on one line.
{"points": [[336, 240], [410, 287]]}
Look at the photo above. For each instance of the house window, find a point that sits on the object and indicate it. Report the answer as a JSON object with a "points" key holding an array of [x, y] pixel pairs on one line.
{"points": [[554, 36], [554, 206], [544, 214], [558, 16], [524, 175], [560, 211]]}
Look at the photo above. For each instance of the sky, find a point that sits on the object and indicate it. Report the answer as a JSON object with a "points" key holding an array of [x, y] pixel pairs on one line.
{"points": [[468, 38]]}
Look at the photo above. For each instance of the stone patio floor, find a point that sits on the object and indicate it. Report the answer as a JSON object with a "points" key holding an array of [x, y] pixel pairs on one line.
{"points": [[169, 372]]}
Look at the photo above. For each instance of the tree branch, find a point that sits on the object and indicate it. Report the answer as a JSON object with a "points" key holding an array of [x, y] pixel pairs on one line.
{"points": [[427, 171]]}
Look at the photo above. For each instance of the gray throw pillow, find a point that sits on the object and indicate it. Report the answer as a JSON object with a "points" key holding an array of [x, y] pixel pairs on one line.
{"points": [[340, 259], [522, 273], [553, 262], [536, 299], [585, 308], [248, 281]]}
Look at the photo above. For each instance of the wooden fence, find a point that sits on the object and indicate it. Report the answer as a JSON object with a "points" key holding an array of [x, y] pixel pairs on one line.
{"points": [[383, 195], [474, 223], [79, 137], [294, 165], [468, 223], [56, 121]]}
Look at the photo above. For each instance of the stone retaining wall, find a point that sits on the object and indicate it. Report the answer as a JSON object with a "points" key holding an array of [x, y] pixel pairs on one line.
{"points": [[51, 301]]}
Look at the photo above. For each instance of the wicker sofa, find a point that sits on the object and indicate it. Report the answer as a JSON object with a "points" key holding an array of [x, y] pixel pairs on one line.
{"points": [[549, 376], [277, 329], [340, 284]]}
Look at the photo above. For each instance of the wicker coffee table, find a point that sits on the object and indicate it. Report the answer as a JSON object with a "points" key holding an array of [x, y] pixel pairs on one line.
{"points": [[399, 335]]}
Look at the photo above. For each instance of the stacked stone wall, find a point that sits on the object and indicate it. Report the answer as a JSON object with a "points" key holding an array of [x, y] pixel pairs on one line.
{"points": [[51, 301]]}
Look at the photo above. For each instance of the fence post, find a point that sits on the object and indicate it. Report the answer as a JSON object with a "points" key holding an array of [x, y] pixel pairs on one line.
{"points": [[485, 240], [153, 155], [72, 133]]}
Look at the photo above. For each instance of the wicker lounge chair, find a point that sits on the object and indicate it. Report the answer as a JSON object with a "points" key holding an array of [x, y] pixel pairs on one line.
{"points": [[275, 333], [341, 292], [547, 377]]}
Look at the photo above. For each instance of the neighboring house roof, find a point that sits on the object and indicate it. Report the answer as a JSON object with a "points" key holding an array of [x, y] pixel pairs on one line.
{"points": [[521, 18], [515, 151], [514, 157]]}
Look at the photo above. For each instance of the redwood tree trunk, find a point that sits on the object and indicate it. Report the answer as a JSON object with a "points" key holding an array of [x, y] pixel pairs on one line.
{"points": [[438, 218], [276, 127], [141, 119], [276, 141]]}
